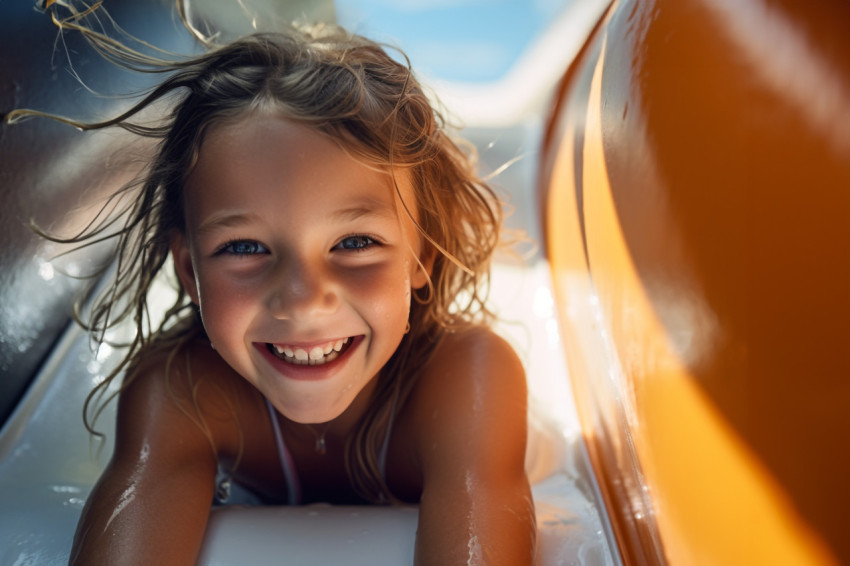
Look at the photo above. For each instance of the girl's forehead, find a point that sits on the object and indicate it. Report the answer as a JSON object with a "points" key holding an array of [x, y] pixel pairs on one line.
{"points": [[230, 132], [283, 159]]}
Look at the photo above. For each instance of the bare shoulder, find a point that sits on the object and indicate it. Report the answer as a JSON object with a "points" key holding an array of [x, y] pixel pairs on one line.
{"points": [[475, 362], [472, 392], [185, 398], [176, 420]]}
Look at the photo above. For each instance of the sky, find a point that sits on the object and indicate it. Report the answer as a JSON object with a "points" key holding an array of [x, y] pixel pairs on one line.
{"points": [[453, 40]]}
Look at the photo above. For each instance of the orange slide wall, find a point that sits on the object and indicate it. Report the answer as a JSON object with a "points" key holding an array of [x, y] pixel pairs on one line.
{"points": [[696, 198]]}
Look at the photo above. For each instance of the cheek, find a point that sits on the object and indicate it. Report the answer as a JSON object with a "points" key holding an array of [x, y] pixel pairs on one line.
{"points": [[223, 306], [397, 310], [387, 294]]}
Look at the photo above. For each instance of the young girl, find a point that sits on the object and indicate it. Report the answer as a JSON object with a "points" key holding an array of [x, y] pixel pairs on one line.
{"points": [[329, 341]]}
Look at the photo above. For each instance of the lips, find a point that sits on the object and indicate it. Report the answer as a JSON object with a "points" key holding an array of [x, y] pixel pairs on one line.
{"points": [[315, 355]]}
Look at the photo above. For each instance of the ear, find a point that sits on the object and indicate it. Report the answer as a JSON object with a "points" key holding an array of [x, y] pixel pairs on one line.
{"points": [[183, 265], [425, 267]]}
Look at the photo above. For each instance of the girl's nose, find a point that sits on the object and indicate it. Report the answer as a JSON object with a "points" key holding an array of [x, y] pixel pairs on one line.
{"points": [[300, 292]]}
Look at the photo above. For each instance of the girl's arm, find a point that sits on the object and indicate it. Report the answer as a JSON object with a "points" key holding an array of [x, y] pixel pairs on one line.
{"points": [[476, 505], [151, 504]]}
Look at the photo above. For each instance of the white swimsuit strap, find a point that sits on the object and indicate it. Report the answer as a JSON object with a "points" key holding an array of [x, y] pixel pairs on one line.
{"points": [[293, 485]]}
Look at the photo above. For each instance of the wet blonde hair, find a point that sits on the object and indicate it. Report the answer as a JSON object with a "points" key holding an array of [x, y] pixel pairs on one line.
{"points": [[349, 88]]}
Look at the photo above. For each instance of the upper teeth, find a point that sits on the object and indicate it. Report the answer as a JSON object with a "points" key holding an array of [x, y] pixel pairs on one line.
{"points": [[314, 356]]}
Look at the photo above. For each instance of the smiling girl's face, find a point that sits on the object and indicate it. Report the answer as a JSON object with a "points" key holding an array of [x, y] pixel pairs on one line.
{"points": [[299, 261]]}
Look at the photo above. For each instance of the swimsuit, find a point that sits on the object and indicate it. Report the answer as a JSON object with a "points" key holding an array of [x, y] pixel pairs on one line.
{"points": [[229, 492]]}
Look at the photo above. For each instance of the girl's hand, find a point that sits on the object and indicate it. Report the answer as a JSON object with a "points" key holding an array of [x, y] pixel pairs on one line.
{"points": [[476, 505]]}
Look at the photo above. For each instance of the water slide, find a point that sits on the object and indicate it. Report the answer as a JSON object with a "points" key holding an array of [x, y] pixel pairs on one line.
{"points": [[696, 196], [682, 325]]}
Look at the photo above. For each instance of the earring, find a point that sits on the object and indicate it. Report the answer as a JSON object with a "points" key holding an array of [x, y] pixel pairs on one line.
{"points": [[212, 345]]}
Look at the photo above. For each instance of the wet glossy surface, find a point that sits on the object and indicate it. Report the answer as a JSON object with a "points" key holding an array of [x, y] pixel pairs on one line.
{"points": [[50, 173], [697, 224]]}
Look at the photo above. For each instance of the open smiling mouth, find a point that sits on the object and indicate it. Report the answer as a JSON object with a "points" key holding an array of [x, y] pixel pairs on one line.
{"points": [[315, 356]]}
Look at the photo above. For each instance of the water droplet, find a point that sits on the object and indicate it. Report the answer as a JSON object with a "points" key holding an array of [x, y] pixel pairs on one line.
{"points": [[45, 271]]}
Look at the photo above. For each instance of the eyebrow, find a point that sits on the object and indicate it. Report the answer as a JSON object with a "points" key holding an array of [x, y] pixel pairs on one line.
{"points": [[364, 208], [227, 219]]}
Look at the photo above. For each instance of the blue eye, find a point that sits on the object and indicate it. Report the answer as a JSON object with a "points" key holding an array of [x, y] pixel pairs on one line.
{"points": [[358, 242], [242, 247]]}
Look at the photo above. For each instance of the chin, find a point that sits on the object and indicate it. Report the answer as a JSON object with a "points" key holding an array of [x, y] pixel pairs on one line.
{"points": [[311, 411]]}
